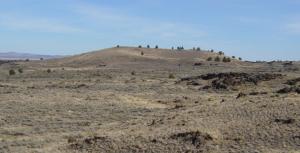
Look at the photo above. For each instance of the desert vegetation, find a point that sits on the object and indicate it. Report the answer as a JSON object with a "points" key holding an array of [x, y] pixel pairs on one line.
{"points": [[20, 70], [226, 59], [217, 59], [135, 99], [12, 72]]}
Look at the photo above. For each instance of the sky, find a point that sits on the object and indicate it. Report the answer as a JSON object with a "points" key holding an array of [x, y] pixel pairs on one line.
{"points": [[251, 29]]}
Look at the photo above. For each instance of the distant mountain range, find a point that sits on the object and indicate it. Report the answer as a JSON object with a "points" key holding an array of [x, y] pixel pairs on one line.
{"points": [[24, 56]]}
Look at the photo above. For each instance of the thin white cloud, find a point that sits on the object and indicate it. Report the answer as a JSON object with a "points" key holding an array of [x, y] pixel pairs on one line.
{"points": [[293, 28], [17, 22], [135, 25]]}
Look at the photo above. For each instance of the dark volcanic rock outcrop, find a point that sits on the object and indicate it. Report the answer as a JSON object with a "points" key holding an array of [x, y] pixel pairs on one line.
{"points": [[289, 90], [231, 79]]}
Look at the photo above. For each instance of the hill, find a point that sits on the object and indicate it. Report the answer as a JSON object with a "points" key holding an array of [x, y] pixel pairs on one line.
{"points": [[23, 56], [112, 57]]}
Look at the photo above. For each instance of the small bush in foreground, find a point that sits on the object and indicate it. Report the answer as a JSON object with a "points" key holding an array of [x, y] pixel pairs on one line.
{"points": [[171, 76], [12, 72]]}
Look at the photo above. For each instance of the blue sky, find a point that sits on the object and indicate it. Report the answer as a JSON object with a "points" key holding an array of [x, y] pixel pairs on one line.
{"points": [[252, 29]]}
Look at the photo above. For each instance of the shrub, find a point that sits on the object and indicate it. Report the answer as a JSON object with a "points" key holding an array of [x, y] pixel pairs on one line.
{"points": [[118, 46], [209, 59], [172, 48], [240, 58], [225, 59], [198, 49], [228, 59], [171, 76], [221, 53], [27, 60], [180, 48], [194, 48], [233, 56], [20, 70], [148, 46], [133, 73], [12, 72], [212, 50], [41, 59], [217, 59], [49, 71], [142, 53], [140, 46], [156, 47]]}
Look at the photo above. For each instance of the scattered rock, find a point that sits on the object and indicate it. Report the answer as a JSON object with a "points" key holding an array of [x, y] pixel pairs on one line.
{"points": [[226, 81], [298, 90], [247, 77], [88, 142], [206, 87], [293, 81], [195, 138], [287, 63], [178, 106], [240, 95], [193, 83], [189, 78], [177, 100], [285, 121], [285, 90], [257, 93], [76, 86], [198, 64], [289, 90], [101, 65]]}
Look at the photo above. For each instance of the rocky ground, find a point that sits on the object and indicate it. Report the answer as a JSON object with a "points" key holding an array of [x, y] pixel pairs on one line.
{"points": [[212, 107]]}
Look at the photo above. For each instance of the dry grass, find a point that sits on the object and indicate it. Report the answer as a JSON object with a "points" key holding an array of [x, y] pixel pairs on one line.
{"points": [[106, 109]]}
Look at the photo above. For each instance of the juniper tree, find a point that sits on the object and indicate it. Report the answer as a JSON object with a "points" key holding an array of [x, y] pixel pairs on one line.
{"points": [[217, 59]]}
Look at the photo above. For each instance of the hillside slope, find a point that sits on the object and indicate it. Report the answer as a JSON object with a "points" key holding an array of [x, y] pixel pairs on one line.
{"points": [[128, 55]]}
